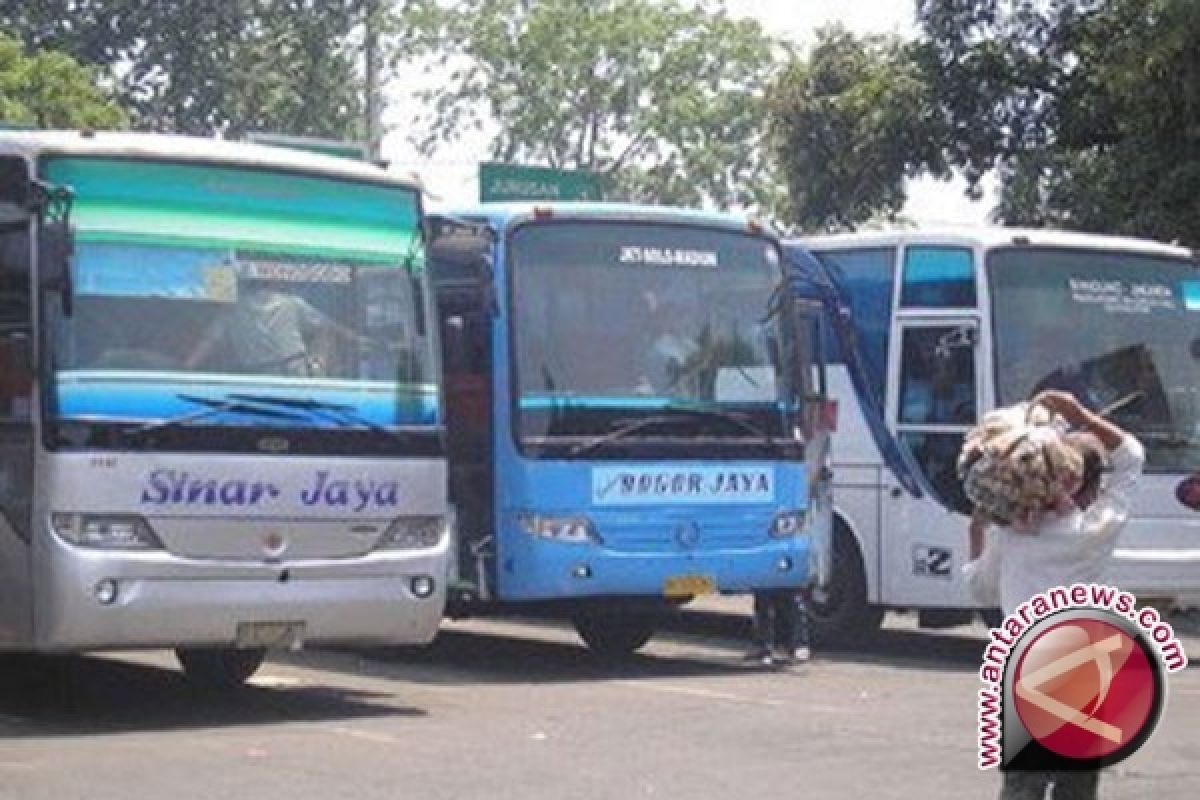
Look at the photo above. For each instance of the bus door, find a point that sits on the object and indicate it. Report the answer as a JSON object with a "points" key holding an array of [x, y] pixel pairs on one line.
{"points": [[462, 275], [819, 418], [934, 397], [16, 403]]}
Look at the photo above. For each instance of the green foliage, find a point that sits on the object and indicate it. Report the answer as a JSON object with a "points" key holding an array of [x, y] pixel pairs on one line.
{"points": [[850, 122], [51, 90], [1090, 109], [666, 100], [288, 66]]}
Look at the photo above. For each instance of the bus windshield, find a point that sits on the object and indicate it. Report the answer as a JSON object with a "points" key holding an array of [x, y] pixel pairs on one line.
{"points": [[1115, 329], [212, 296], [616, 320]]}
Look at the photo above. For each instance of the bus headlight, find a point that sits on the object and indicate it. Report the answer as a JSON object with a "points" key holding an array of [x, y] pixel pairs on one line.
{"points": [[788, 523], [105, 531], [413, 533], [561, 528]]}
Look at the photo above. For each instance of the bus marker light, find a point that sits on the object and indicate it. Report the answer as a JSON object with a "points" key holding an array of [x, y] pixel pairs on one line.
{"points": [[784, 564], [274, 544], [788, 523], [581, 571], [106, 592], [422, 586]]}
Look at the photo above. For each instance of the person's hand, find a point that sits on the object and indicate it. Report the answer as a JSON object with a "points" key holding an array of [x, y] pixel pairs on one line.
{"points": [[1062, 403]]}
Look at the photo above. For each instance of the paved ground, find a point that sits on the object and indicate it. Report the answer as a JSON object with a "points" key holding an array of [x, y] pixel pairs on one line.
{"points": [[511, 709]]}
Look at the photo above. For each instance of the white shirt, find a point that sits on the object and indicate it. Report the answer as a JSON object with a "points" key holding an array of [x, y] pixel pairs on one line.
{"points": [[1062, 549]]}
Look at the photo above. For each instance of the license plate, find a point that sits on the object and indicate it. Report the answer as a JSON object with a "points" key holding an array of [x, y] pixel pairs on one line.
{"points": [[688, 585], [269, 634]]}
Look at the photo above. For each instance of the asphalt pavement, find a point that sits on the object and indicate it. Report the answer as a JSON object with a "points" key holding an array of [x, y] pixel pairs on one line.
{"points": [[518, 709]]}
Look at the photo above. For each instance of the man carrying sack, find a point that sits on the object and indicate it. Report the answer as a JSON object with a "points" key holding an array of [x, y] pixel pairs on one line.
{"points": [[1052, 481]]}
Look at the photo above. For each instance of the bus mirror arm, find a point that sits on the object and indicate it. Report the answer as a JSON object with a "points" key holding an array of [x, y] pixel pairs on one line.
{"points": [[487, 287]]}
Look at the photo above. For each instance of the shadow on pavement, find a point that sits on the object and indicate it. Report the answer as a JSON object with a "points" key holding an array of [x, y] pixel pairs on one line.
{"points": [[68, 696], [691, 644], [474, 657], [902, 648]]}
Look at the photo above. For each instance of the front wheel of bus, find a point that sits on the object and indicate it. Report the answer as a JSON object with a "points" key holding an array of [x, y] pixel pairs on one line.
{"points": [[614, 635], [220, 667], [840, 612]]}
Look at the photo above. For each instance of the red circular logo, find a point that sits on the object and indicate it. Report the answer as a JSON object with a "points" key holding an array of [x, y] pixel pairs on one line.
{"points": [[1086, 689]]}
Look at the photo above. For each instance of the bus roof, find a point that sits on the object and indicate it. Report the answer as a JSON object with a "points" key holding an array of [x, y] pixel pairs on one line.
{"points": [[990, 236], [505, 214], [170, 147]]}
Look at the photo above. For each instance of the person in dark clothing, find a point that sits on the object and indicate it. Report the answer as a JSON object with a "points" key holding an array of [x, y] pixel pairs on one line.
{"points": [[781, 627]]}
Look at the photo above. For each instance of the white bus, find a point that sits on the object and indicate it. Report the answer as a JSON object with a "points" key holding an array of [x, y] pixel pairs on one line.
{"points": [[951, 323], [220, 425]]}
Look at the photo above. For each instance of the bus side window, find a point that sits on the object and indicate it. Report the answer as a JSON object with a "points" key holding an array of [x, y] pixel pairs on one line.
{"points": [[937, 378], [938, 277], [937, 402]]}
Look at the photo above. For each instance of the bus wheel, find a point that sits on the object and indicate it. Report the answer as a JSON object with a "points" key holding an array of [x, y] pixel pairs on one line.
{"points": [[992, 617], [839, 611], [220, 667], [614, 635]]}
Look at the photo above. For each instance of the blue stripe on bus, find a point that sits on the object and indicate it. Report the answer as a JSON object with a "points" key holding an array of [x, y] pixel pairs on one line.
{"points": [[123, 398]]}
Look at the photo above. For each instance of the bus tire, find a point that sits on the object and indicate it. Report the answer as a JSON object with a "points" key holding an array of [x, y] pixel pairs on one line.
{"points": [[992, 617], [614, 635], [219, 667], [840, 612]]}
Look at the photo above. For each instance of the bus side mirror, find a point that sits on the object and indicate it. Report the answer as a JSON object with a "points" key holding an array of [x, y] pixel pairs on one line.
{"points": [[487, 288], [15, 188], [55, 248]]}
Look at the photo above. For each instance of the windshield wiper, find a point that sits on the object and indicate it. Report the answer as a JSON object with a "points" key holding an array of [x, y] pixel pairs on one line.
{"points": [[211, 408], [340, 413], [676, 415]]}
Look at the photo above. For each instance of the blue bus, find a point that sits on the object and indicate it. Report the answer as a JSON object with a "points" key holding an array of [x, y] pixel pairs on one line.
{"points": [[635, 412]]}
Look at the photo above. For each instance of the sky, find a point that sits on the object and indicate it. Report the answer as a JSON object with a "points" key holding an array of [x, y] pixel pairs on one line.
{"points": [[451, 174]]}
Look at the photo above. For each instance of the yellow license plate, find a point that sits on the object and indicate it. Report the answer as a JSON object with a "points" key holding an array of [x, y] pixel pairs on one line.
{"points": [[273, 635], [688, 585]]}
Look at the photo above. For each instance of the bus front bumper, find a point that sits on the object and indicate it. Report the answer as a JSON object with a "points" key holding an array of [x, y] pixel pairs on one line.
{"points": [[563, 571], [148, 600], [1169, 575]]}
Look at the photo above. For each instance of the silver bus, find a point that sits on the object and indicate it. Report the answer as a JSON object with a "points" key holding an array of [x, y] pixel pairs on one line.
{"points": [[220, 424], [953, 322]]}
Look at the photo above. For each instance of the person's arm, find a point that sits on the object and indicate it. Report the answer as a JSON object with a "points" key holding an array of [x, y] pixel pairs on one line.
{"points": [[982, 572], [977, 529], [1112, 505], [1076, 415]]}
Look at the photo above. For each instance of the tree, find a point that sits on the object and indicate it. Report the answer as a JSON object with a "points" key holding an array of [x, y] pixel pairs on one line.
{"points": [[51, 90], [289, 66], [666, 101], [850, 122], [1089, 109]]}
